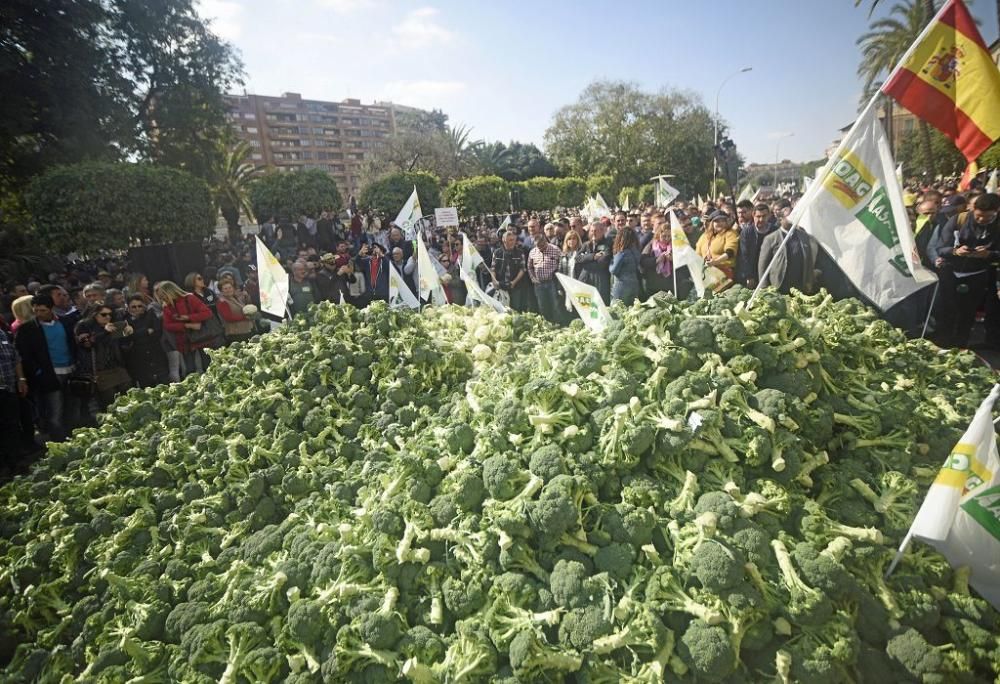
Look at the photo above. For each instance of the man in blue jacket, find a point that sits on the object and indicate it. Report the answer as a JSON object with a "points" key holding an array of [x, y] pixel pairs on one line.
{"points": [[47, 349]]}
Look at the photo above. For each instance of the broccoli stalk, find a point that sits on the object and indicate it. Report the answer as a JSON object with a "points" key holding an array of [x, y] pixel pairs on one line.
{"points": [[243, 638], [804, 600], [404, 551], [685, 499], [665, 587], [507, 620], [895, 500], [817, 525], [810, 464]]}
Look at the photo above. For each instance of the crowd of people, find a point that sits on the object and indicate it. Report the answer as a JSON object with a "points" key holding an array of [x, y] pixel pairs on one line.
{"points": [[73, 340]]}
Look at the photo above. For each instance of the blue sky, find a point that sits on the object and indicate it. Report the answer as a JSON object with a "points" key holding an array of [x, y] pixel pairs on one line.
{"points": [[504, 68]]}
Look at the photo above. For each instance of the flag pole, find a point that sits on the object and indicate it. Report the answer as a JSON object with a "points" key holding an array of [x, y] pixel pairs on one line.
{"points": [[927, 320], [808, 197]]}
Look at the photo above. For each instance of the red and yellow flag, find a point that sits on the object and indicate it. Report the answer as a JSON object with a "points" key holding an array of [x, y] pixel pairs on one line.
{"points": [[948, 79]]}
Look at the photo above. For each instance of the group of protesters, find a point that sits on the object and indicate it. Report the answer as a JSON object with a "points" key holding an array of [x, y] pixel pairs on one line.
{"points": [[71, 341]]}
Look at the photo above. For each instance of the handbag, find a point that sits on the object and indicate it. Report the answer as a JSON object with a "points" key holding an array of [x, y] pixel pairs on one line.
{"points": [[210, 334], [82, 385], [110, 378]]}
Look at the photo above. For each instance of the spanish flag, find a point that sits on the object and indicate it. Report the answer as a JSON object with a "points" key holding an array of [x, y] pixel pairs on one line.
{"points": [[948, 79]]}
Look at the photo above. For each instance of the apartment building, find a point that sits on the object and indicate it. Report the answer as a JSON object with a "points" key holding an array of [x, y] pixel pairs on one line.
{"points": [[288, 133]]}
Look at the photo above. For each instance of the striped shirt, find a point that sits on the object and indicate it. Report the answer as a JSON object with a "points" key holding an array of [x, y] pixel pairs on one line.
{"points": [[543, 264]]}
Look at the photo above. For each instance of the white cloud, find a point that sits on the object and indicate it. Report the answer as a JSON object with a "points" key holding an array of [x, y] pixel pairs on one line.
{"points": [[226, 17], [420, 29], [347, 6], [777, 135], [421, 93]]}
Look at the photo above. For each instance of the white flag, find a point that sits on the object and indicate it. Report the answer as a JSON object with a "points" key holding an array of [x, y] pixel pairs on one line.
{"points": [[273, 282], [961, 515], [684, 254], [701, 202], [806, 183], [625, 205], [471, 258], [504, 225], [746, 193], [428, 281], [665, 193], [587, 302], [409, 215], [399, 291], [855, 211], [993, 182], [601, 206], [899, 173], [476, 293]]}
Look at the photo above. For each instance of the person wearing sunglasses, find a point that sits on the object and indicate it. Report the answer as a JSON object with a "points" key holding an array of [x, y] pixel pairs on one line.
{"points": [[99, 355], [145, 357]]}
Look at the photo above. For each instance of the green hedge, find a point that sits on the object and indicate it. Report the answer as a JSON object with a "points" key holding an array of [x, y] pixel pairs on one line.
{"points": [[478, 195], [389, 193], [291, 194]]}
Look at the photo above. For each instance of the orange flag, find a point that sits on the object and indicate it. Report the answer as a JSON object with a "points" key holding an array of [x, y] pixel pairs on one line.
{"points": [[948, 79]]}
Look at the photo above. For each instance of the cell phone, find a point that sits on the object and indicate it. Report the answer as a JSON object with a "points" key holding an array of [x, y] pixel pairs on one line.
{"points": [[120, 325]]}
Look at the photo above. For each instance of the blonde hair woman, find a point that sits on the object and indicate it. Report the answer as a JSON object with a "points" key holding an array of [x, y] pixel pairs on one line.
{"points": [[183, 311], [21, 308]]}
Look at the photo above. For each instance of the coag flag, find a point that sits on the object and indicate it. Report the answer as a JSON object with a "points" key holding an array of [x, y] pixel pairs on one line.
{"points": [[948, 79], [961, 515], [399, 291], [428, 281], [471, 258], [684, 254], [746, 193], [855, 210], [273, 282], [477, 294], [665, 193], [587, 302], [409, 215]]}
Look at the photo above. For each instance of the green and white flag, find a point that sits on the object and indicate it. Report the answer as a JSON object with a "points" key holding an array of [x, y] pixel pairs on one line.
{"points": [[409, 215], [476, 294], [273, 282], [504, 225], [746, 193], [960, 516], [601, 206], [855, 211], [625, 205], [471, 258], [665, 193], [399, 291], [587, 302], [992, 183], [684, 254], [428, 280]]}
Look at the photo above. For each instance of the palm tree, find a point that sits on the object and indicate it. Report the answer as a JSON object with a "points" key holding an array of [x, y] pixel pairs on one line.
{"points": [[458, 147], [883, 46], [231, 175], [492, 159]]}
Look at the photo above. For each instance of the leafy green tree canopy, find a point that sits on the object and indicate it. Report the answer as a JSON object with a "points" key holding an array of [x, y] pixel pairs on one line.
{"points": [[616, 129], [390, 192], [102, 205], [291, 194]]}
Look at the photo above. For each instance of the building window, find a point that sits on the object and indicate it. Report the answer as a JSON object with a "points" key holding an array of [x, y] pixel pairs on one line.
{"points": [[250, 129], [256, 156]]}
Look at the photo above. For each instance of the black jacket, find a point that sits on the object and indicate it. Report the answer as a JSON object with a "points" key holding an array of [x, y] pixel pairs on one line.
{"points": [[34, 351], [963, 230]]}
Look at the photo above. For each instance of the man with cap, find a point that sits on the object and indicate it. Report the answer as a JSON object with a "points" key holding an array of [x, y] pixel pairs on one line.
{"points": [[330, 280]]}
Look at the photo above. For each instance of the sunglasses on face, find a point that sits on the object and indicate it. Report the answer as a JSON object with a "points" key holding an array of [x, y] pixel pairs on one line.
{"points": [[103, 314]]}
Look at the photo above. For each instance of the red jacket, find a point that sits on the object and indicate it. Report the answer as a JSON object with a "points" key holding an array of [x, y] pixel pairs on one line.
{"points": [[190, 306]]}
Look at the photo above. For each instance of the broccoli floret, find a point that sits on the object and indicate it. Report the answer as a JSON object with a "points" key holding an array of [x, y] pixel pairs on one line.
{"points": [[629, 524], [381, 630], [581, 626], [615, 559], [421, 643], [717, 566], [722, 505], [503, 477], [555, 512], [920, 659], [305, 631], [182, 618], [666, 589], [708, 652], [696, 335], [568, 584], [547, 462], [463, 596], [534, 660], [806, 605]]}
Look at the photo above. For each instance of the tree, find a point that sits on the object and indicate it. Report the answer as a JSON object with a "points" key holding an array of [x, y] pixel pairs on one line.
{"points": [[647, 195], [291, 194], [229, 179], [990, 159], [390, 192], [492, 159], [100, 205], [527, 161], [883, 46], [945, 158], [478, 195], [570, 191], [537, 194], [630, 193], [109, 79], [605, 185], [616, 129]]}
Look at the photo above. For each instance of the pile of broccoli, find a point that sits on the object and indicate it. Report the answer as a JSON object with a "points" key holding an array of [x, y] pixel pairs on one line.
{"points": [[705, 494]]}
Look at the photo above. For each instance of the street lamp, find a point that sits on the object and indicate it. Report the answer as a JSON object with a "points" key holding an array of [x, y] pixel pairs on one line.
{"points": [[715, 146], [777, 145]]}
